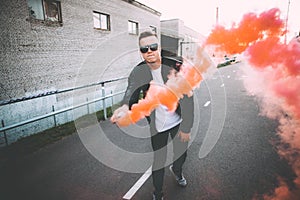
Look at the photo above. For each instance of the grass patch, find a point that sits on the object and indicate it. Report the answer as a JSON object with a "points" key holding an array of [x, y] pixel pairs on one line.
{"points": [[36, 141]]}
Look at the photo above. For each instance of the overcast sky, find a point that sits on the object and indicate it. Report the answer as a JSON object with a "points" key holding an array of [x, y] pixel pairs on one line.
{"points": [[200, 15]]}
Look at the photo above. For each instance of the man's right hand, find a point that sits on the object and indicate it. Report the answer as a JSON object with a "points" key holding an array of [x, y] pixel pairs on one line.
{"points": [[119, 113]]}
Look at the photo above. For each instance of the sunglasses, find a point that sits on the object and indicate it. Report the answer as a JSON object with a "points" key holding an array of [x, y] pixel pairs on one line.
{"points": [[145, 49]]}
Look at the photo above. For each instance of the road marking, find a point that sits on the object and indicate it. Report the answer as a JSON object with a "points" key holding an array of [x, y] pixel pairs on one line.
{"points": [[241, 77], [138, 184], [207, 103]]}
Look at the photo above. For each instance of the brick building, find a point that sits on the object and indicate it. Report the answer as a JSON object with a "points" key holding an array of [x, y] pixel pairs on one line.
{"points": [[40, 52], [179, 40], [55, 45], [49, 45]]}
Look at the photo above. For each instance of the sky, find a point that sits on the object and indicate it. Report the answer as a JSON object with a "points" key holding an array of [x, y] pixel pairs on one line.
{"points": [[201, 15]]}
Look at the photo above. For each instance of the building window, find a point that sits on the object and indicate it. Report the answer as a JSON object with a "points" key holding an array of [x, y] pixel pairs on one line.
{"points": [[101, 21], [48, 10], [133, 27], [153, 29]]}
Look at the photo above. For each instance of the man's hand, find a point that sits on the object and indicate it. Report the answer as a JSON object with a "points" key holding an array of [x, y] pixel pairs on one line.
{"points": [[184, 137], [119, 113]]}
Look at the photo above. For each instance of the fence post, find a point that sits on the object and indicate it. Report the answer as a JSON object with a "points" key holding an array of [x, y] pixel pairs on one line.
{"points": [[87, 106], [103, 101], [112, 98], [4, 133], [54, 117]]}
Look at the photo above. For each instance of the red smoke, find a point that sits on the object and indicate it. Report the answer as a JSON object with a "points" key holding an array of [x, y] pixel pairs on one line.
{"points": [[273, 73]]}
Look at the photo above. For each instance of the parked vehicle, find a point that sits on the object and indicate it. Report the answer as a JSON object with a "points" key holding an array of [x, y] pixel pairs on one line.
{"points": [[228, 61]]}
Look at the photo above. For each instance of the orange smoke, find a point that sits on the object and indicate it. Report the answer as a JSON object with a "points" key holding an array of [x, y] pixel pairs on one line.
{"points": [[281, 193], [274, 77], [251, 29], [259, 37], [178, 85], [284, 61]]}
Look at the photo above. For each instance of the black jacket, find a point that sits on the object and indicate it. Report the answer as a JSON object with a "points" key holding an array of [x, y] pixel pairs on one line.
{"points": [[139, 81]]}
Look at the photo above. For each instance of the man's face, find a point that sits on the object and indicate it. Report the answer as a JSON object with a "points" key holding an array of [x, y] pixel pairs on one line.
{"points": [[152, 55]]}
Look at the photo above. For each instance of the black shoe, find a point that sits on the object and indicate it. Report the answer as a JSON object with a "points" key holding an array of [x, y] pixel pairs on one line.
{"points": [[181, 181], [158, 196]]}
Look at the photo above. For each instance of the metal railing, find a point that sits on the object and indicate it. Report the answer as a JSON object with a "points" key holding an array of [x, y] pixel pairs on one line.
{"points": [[53, 113]]}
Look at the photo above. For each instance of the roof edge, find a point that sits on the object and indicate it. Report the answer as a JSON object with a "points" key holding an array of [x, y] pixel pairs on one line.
{"points": [[143, 6]]}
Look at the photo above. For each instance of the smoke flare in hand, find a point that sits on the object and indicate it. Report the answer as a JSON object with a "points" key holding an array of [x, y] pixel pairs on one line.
{"points": [[179, 84]]}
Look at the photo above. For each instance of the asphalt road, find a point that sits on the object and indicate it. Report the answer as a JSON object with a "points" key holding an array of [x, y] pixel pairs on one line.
{"points": [[242, 164]]}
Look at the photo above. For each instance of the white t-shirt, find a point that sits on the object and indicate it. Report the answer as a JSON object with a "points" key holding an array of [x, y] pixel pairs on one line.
{"points": [[164, 119]]}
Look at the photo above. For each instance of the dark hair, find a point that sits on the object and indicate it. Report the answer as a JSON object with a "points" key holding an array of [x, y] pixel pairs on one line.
{"points": [[146, 34]]}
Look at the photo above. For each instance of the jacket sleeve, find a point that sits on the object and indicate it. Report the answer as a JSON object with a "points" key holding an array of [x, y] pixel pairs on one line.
{"points": [[132, 91], [187, 113]]}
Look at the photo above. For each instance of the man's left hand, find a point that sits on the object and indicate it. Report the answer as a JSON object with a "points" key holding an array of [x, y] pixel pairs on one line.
{"points": [[184, 137]]}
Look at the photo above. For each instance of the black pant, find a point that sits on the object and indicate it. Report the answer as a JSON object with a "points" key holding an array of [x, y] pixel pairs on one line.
{"points": [[159, 143]]}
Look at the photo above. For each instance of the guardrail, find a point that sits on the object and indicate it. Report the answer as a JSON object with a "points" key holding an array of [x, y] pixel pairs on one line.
{"points": [[102, 83]]}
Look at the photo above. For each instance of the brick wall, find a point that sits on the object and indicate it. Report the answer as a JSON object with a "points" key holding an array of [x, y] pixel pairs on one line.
{"points": [[36, 57]]}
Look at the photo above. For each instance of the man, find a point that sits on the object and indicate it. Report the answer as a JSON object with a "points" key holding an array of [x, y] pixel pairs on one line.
{"points": [[163, 123]]}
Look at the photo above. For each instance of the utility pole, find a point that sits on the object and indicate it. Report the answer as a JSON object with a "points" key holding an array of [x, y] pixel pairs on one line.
{"points": [[286, 21], [217, 15]]}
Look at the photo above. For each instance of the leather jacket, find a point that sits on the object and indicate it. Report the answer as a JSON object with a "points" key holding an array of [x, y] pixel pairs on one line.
{"points": [[139, 81]]}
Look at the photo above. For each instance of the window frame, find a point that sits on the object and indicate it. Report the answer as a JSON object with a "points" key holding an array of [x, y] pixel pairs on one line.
{"points": [[59, 15], [153, 29], [131, 29], [43, 12], [107, 17]]}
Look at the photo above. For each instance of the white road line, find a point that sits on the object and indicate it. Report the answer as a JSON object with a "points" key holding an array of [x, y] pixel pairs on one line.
{"points": [[138, 184], [207, 103]]}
